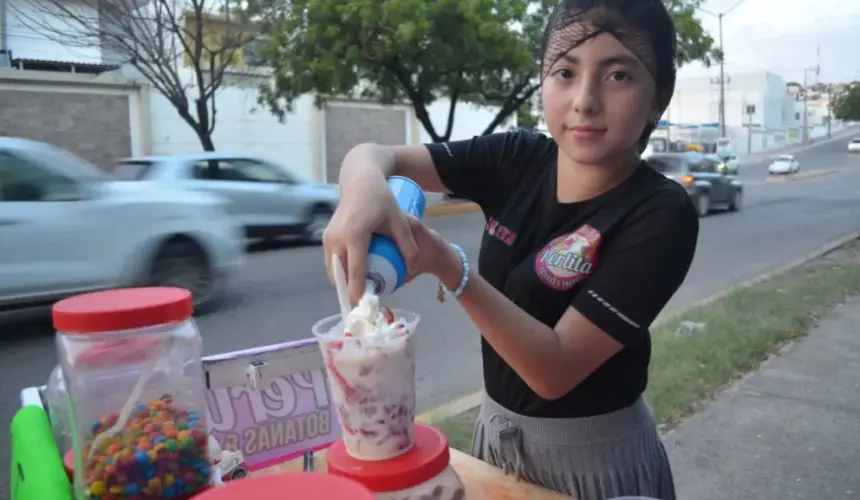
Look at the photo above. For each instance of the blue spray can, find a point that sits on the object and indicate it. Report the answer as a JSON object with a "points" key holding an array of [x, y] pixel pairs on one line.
{"points": [[386, 267]]}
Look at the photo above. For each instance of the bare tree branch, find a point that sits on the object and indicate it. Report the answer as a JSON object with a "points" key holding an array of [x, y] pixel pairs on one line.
{"points": [[182, 48]]}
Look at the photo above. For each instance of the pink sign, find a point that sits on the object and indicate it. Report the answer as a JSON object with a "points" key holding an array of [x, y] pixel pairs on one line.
{"points": [[290, 411]]}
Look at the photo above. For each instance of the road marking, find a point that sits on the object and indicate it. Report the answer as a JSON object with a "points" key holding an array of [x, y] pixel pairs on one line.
{"points": [[802, 176], [473, 400]]}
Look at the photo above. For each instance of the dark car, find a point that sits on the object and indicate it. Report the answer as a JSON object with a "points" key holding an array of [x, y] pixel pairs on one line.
{"points": [[705, 178]]}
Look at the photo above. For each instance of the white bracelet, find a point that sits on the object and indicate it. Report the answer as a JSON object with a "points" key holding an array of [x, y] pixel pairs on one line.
{"points": [[464, 279]]}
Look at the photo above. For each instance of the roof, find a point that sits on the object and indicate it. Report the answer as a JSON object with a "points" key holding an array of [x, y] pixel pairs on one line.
{"points": [[99, 67]]}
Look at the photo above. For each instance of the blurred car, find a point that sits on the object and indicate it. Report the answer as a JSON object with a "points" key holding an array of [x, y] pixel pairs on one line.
{"points": [[731, 161], [854, 146], [784, 164], [708, 184], [267, 200], [66, 228]]}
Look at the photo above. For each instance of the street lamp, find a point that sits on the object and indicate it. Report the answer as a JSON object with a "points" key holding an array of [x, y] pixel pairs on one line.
{"points": [[720, 17]]}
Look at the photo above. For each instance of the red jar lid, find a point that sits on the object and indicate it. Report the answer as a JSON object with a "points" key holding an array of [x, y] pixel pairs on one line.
{"points": [[294, 486], [122, 309], [426, 460]]}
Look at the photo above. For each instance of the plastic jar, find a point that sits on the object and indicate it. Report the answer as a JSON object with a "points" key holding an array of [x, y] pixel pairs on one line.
{"points": [[422, 472], [292, 486], [131, 361], [57, 402]]}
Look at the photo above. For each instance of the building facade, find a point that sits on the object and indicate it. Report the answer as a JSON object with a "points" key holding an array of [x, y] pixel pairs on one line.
{"points": [[62, 92], [760, 113]]}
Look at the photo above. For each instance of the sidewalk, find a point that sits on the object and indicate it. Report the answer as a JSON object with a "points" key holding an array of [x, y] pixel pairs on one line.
{"points": [[788, 431]]}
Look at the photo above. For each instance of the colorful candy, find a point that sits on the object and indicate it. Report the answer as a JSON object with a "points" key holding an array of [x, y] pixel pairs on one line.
{"points": [[161, 453]]}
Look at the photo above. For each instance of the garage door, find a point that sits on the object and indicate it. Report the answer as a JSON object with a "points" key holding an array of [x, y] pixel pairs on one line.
{"points": [[94, 126], [348, 126]]}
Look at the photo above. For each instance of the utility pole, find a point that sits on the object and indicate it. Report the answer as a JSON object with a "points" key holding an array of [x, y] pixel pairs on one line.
{"points": [[722, 106], [722, 81], [805, 95]]}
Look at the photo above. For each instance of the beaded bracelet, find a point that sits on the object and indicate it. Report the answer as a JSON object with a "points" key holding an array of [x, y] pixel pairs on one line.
{"points": [[464, 279]]}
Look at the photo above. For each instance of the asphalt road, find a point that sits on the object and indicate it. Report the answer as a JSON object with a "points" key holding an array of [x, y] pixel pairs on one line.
{"points": [[284, 290]]}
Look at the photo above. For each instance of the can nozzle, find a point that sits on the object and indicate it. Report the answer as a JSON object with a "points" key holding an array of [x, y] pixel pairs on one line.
{"points": [[372, 286]]}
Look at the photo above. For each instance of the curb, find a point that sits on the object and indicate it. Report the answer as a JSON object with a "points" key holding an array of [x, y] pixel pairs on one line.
{"points": [[470, 401], [452, 208], [802, 176]]}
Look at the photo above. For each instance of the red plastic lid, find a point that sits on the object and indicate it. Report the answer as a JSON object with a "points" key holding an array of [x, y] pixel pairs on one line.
{"points": [[294, 486], [426, 460], [122, 309]]}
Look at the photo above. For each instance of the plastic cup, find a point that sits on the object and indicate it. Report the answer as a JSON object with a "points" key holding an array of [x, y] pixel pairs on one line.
{"points": [[372, 381]]}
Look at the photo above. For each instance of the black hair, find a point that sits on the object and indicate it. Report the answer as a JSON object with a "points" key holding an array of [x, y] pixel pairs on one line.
{"points": [[643, 26]]}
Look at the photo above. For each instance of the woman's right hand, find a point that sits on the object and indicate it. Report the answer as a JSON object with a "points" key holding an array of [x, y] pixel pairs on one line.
{"points": [[366, 206]]}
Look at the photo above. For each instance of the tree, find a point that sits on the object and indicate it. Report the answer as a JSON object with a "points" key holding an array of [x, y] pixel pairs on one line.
{"points": [[526, 117], [484, 52], [846, 104], [182, 48]]}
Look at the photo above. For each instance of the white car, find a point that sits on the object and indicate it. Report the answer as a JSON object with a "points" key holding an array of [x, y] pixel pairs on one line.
{"points": [[66, 228], [784, 164], [268, 200], [854, 146]]}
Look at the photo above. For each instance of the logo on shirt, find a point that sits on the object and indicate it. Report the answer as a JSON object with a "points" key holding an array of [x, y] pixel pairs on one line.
{"points": [[568, 259], [500, 232]]}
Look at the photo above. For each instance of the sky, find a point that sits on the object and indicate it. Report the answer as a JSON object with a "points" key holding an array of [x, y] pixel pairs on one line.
{"points": [[781, 36]]}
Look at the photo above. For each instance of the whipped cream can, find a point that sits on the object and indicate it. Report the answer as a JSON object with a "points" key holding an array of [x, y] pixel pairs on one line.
{"points": [[386, 267]]}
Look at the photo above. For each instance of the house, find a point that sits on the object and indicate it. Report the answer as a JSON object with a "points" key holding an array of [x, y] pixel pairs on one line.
{"points": [[61, 94], [72, 89]]}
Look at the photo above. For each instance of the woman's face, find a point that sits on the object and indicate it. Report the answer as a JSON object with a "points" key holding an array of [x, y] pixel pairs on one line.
{"points": [[597, 99]]}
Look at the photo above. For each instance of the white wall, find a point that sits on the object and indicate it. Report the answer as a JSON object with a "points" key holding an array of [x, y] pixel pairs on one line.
{"points": [[469, 120], [696, 100], [242, 125], [28, 38]]}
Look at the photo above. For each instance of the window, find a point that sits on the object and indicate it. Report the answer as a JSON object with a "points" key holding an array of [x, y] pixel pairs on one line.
{"points": [[132, 170], [240, 169], [703, 166], [22, 180], [252, 53]]}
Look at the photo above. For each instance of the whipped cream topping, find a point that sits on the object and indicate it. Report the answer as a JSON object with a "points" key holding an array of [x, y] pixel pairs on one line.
{"points": [[367, 318]]}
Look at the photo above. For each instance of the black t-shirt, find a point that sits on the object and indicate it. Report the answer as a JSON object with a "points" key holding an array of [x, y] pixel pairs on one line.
{"points": [[617, 258]]}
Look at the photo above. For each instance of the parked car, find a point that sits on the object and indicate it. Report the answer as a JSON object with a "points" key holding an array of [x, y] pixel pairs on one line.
{"points": [[854, 146], [66, 228], [710, 186], [783, 164], [268, 200]]}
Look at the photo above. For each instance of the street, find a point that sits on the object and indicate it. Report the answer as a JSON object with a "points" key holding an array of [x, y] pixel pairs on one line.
{"points": [[284, 289]]}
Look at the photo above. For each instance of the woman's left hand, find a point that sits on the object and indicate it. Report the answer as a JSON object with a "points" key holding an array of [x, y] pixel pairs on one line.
{"points": [[435, 254]]}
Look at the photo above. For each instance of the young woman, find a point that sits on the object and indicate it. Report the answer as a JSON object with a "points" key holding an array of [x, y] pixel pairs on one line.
{"points": [[584, 245]]}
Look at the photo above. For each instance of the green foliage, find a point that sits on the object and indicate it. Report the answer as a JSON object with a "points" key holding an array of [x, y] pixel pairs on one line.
{"points": [[484, 52], [846, 106], [526, 117]]}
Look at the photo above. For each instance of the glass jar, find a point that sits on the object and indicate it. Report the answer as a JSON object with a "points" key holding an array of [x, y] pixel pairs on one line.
{"points": [[131, 360], [422, 472]]}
